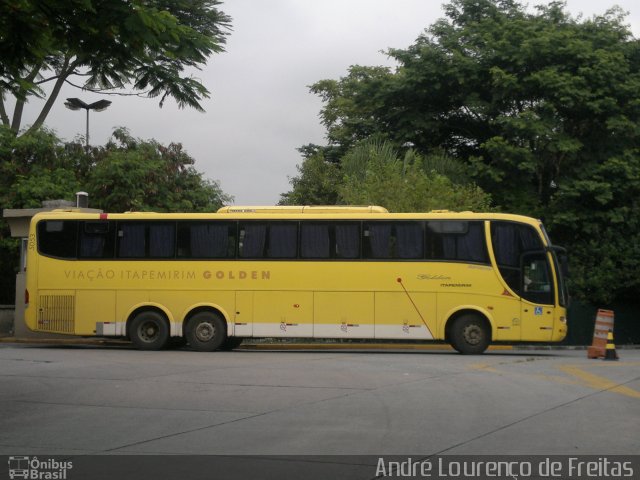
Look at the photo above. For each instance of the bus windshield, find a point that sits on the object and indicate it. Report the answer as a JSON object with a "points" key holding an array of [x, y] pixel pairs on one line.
{"points": [[561, 266]]}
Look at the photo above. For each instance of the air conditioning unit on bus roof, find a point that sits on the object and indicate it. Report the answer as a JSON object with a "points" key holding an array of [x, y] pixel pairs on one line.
{"points": [[304, 209]]}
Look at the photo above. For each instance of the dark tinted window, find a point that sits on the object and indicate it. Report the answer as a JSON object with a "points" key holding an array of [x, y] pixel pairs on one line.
{"points": [[315, 241], [409, 240], [404, 240], [58, 238], [329, 240], [510, 242], [146, 240], [347, 240], [97, 239], [206, 239], [283, 240], [377, 240], [459, 241], [252, 240], [268, 240]]}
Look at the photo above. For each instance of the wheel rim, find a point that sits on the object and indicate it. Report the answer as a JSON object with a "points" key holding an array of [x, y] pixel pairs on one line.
{"points": [[472, 334], [205, 331], [148, 331]]}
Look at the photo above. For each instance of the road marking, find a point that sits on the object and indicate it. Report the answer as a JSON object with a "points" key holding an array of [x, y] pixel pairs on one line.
{"points": [[599, 383], [577, 376], [559, 379], [614, 364], [484, 367]]}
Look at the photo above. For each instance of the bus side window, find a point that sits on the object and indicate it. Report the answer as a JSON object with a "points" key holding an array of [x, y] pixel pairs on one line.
{"points": [[460, 241], [325, 240], [58, 238], [97, 239], [314, 240], [131, 240], [401, 240], [206, 240], [347, 240], [162, 240], [252, 240], [378, 240], [146, 239], [283, 240], [409, 240]]}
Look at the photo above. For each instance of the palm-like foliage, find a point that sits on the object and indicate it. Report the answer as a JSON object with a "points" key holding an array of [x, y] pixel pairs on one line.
{"points": [[119, 46]]}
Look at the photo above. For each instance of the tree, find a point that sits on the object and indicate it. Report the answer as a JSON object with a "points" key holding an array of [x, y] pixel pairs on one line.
{"points": [[353, 106], [133, 174], [316, 183], [600, 209], [105, 46], [514, 93], [37, 167], [543, 107], [374, 173]]}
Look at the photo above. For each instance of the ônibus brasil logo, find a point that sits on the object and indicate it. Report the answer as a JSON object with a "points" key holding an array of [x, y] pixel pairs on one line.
{"points": [[32, 468]]}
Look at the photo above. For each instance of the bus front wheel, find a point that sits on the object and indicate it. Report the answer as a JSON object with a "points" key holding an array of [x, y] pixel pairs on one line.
{"points": [[206, 331], [470, 335], [149, 331]]}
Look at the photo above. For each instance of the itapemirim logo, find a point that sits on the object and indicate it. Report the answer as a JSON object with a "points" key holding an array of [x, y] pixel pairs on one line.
{"points": [[33, 468]]}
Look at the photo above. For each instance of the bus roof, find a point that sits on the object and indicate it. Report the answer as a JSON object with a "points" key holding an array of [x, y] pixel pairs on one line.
{"points": [[293, 213]]}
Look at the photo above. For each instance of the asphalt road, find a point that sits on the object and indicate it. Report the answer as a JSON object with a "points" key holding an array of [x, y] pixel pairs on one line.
{"points": [[83, 400]]}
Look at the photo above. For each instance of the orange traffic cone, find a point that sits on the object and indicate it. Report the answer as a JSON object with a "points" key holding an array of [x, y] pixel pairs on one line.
{"points": [[610, 353], [604, 324]]}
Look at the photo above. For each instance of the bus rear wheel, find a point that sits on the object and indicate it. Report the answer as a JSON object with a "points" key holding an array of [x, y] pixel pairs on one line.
{"points": [[470, 335], [149, 330], [206, 331]]}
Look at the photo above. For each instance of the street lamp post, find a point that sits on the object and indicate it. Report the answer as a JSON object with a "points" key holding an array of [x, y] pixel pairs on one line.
{"points": [[77, 104]]}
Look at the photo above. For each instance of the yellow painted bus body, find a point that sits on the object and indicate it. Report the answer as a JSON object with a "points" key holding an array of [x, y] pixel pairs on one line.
{"points": [[412, 300]]}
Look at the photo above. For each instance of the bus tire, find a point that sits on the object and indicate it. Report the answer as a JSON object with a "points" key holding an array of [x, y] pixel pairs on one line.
{"points": [[206, 331], [469, 335], [231, 343], [149, 330]]}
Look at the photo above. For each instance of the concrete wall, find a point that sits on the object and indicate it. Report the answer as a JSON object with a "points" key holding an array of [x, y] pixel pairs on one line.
{"points": [[19, 328], [7, 313]]}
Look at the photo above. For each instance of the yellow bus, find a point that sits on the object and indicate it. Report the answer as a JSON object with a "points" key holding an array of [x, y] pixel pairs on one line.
{"points": [[211, 280]]}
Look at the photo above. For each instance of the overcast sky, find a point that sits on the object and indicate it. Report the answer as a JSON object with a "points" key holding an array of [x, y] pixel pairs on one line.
{"points": [[260, 108]]}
